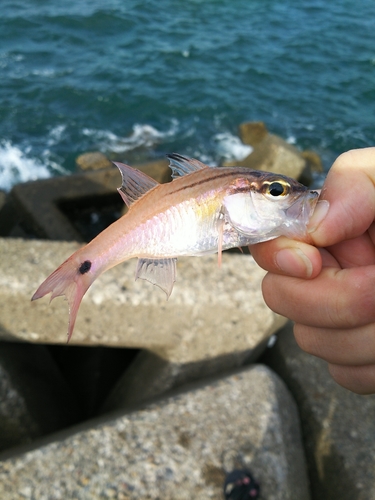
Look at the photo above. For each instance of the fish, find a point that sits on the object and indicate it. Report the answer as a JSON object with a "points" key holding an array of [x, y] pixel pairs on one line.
{"points": [[203, 210]]}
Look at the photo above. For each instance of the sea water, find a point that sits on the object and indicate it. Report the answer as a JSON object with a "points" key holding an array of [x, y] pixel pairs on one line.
{"points": [[140, 79]]}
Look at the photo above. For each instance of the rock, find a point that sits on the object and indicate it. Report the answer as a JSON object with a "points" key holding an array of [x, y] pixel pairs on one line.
{"points": [[178, 448], [252, 133], [338, 426], [314, 162], [93, 161], [273, 154], [215, 319], [157, 169], [35, 400]]}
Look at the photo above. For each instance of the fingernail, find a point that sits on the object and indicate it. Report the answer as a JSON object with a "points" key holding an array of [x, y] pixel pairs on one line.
{"points": [[320, 212], [294, 263]]}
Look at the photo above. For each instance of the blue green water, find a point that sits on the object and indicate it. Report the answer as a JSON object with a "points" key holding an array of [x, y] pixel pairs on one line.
{"points": [[143, 78]]}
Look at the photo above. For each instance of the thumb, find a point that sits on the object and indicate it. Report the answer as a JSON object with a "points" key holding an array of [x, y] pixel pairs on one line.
{"points": [[350, 192]]}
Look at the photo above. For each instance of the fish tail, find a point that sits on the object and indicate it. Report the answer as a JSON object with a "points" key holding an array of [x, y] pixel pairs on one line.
{"points": [[72, 279]]}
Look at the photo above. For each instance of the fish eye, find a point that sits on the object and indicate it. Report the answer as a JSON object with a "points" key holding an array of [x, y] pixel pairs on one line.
{"points": [[277, 188]]}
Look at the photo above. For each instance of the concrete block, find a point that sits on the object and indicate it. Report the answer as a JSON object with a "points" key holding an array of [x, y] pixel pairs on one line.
{"points": [[43, 206], [178, 448], [215, 319], [338, 426], [34, 398], [3, 197]]}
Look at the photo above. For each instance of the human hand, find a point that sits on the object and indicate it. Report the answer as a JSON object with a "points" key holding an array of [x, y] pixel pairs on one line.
{"points": [[327, 285]]}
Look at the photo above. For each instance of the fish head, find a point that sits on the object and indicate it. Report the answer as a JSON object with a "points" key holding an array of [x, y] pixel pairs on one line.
{"points": [[268, 205]]}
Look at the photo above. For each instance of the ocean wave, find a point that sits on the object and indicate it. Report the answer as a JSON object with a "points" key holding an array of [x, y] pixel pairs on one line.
{"points": [[230, 147], [18, 166], [56, 134], [142, 136]]}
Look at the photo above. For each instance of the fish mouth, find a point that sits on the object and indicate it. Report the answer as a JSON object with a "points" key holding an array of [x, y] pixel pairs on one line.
{"points": [[302, 209], [313, 199]]}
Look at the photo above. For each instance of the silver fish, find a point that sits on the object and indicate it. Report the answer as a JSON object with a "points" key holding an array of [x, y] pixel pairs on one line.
{"points": [[203, 210]]}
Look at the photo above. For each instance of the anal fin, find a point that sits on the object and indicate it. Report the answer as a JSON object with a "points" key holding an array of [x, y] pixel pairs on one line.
{"points": [[160, 272]]}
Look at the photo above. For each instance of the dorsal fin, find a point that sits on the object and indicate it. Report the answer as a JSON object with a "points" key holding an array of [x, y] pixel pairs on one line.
{"points": [[180, 165], [134, 183]]}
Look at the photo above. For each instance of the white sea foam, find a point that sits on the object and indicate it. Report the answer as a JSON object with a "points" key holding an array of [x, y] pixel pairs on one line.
{"points": [[45, 72], [230, 146], [204, 158], [143, 135], [55, 135], [17, 166]]}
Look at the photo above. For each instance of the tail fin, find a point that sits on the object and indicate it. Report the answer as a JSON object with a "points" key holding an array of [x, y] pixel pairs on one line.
{"points": [[71, 280]]}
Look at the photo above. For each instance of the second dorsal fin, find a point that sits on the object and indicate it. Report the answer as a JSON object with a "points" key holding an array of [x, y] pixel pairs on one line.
{"points": [[180, 165], [134, 183]]}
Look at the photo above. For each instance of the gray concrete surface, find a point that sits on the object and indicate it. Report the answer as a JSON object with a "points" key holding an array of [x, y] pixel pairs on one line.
{"points": [[178, 448], [338, 426], [215, 318]]}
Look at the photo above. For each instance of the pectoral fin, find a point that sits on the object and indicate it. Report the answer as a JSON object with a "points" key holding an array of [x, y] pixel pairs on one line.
{"points": [[160, 272]]}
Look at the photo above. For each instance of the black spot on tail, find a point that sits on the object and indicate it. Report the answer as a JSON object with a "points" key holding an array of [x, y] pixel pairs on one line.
{"points": [[85, 267]]}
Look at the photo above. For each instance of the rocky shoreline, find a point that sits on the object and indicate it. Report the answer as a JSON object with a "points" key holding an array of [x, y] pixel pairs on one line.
{"points": [[154, 399]]}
